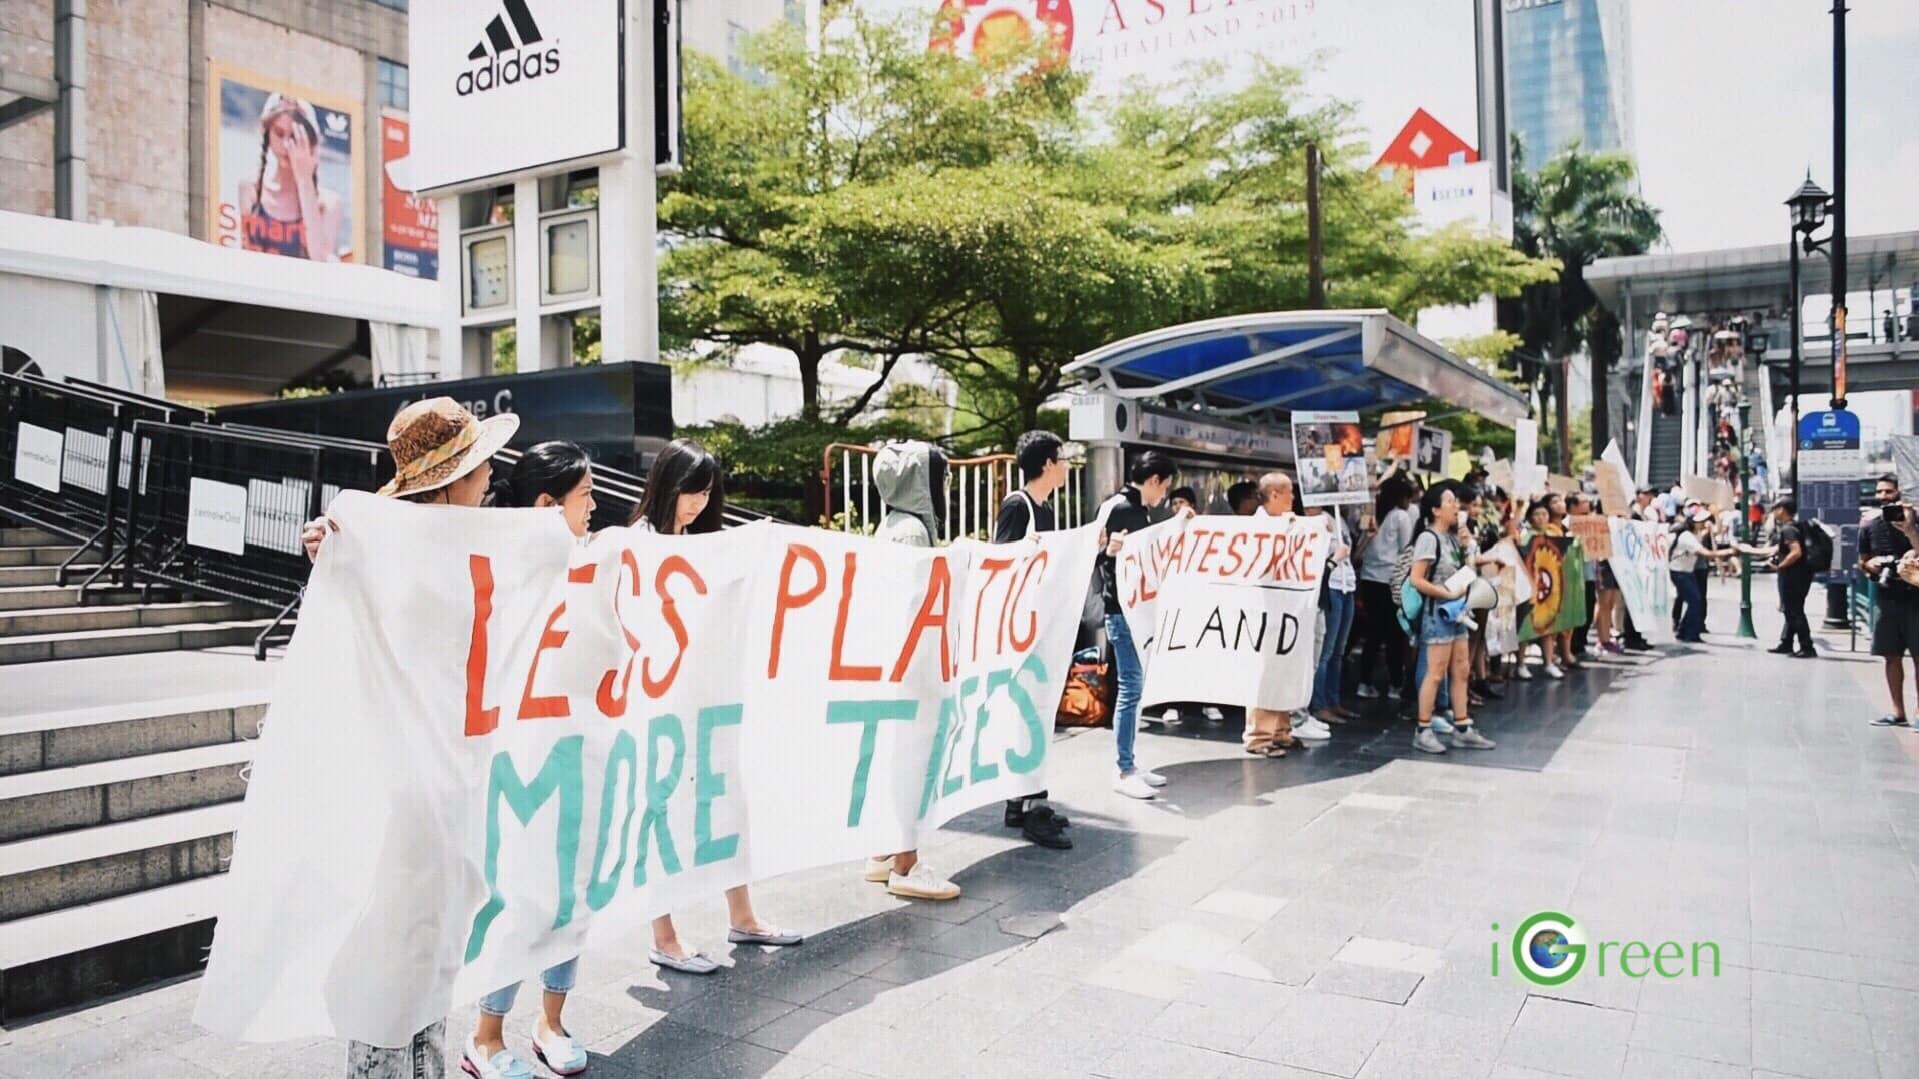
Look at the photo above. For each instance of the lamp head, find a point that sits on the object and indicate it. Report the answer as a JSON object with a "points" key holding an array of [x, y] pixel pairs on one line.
{"points": [[1808, 205]]}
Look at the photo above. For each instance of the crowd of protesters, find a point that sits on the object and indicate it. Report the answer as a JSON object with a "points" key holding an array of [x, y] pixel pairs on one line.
{"points": [[1416, 621]]}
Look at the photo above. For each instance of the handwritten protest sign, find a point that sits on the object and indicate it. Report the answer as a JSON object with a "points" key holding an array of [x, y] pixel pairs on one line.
{"points": [[490, 745], [1593, 534], [1614, 481], [1715, 493], [1222, 608], [1559, 587], [1640, 563]]}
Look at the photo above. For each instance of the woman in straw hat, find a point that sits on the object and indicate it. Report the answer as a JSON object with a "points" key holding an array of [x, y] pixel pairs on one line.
{"points": [[442, 455], [685, 496]]}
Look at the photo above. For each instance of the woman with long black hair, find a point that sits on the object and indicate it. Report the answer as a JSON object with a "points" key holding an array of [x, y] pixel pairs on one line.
{"points": [[685, 496], [1377, 556], [551, 474]]}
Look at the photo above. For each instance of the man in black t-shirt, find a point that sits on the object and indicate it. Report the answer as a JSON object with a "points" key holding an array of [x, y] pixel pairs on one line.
{"points": [[1022, 513], [1895, 635], [1795, 580]]}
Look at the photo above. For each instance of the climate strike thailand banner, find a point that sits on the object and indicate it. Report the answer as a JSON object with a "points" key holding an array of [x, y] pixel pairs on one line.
{"points": [[1222, 608], [1641, 553], [491, 745]]}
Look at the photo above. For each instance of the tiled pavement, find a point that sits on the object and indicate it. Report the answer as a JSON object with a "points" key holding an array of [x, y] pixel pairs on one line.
{"points": [[1327, 914]]}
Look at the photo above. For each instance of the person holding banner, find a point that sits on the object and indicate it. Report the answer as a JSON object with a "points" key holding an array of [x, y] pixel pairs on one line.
{"points": [[551, 474], [1151, 478], [1437, 559], [1023, 514], [1689, 546], [686, 496], [442, 456], [911, 479], [1269, 733]]}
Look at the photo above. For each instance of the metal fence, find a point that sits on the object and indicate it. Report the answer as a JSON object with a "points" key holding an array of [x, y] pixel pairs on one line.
{"points": [[976, 486]]}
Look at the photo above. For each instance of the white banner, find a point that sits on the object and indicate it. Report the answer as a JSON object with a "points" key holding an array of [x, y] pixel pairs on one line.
{"points": [[489, 741], [1640, 563], [1222, 608]]}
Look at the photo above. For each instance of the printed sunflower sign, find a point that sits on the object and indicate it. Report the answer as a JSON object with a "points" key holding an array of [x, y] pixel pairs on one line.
{"points": [[1559, 587]]}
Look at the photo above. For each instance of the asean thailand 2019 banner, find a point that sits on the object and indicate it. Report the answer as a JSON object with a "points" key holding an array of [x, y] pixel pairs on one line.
{"points": [[1223, 608], [490, 743]]}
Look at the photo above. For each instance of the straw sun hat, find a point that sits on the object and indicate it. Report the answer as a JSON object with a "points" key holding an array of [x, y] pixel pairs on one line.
{"points": [[436, 441]]}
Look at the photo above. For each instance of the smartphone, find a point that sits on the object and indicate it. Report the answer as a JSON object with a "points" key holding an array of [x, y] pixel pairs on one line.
{"points": [[1894, 513]]}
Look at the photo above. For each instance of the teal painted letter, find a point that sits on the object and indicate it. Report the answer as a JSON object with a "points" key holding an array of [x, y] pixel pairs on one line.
{"points": [[947, 711], [559, 775], [659, 788], [981, 773], [869, 715], [1037, 732], [624, 756], [708, 785]]}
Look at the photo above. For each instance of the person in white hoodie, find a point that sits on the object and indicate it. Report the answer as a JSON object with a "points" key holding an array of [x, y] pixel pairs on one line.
{"points": [[911, 478]]}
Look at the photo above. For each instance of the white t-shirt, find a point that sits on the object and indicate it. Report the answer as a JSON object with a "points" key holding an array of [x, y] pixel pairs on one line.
{"points": [[1382, 554], [1685, 552], [1339, 571]]}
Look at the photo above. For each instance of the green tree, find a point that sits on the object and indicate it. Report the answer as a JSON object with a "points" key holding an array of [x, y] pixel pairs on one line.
{"points": [[789, 175], [1577, 207]]}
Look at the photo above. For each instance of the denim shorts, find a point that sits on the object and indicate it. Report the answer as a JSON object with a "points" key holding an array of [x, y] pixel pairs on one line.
{"points": [[1435, 628]]}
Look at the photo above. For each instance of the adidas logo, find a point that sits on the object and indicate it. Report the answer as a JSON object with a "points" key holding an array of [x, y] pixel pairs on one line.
{"points": [[503, 61]]}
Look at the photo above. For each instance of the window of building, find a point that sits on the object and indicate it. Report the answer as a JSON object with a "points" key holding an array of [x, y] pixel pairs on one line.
{"points": [[736, 49], [393, 80]]}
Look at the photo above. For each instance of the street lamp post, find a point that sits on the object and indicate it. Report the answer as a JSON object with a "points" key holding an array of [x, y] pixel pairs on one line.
{"points": [[1756, 345], [1808, 205]]}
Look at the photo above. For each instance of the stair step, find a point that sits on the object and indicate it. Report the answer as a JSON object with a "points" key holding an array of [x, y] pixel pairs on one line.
{"points": [[28, 537], [18, 576], [30, 597], [38, 555], [92, 950], [67, 869], [102, 616], [90, 735], [61, 799], [108, 642]]}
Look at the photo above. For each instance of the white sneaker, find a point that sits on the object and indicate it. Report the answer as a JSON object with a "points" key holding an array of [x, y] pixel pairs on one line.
{"points": [[1553, 671], [1470, 738], [922, 883], [1393, 693], [1153, 779], [879, 869], [1367, 692], [1213, 715], [1171, 715], [1427, 742], [1522, 672], [1312, 730], [1133, 785]]}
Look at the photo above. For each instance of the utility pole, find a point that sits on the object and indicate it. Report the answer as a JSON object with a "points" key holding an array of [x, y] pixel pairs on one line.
{"points": [[1563, 420], [1315, 268], [1839, 205]]}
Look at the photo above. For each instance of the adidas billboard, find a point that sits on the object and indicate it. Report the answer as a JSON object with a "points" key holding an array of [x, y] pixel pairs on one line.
{"points": [[508, 86], [508, 52]]}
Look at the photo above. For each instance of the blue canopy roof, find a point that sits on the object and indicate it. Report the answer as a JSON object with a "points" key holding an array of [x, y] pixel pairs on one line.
{"points": [[1321, 361]]}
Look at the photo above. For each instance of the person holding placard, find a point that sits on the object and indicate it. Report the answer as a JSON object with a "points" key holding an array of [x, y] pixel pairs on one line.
{"points": [[1269, 732], [442, 456], [1152, 477], [1438, 564], [686, 496]]}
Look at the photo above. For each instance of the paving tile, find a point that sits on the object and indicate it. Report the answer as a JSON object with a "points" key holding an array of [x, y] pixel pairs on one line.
{"points": [[1724, 1043], [1798, 1056], [1570, 1038], [1251, 906], [1143, 1057], [1324, 1032], [1652, 1064], [1371, 983], [1390, 955]]}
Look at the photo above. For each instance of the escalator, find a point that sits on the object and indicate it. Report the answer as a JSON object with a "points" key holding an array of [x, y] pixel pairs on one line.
{"points": [[1665, 461]]}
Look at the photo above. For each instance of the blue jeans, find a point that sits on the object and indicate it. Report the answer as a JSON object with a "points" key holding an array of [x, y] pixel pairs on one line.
{"points": [[1129, 680], [1693, 619], [554, 979], [1332, 652]]}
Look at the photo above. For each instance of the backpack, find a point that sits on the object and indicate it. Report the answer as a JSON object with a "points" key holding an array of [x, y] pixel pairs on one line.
{"points": [[1084, 702], [1408, 601], [1818, 545]]}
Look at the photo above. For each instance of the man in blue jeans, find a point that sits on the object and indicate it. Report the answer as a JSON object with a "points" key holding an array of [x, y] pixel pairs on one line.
{"points": [[1131, 509]]}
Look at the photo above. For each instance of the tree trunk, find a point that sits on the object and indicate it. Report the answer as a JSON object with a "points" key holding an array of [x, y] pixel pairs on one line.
{"points": [[1563, 383], [810, 355]]}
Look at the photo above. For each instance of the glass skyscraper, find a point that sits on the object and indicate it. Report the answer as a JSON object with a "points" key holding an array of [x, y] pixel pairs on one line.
{"points": [[1568, 75]]}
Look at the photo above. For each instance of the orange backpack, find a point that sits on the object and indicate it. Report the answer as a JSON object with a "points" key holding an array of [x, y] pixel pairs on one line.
{"points": [[1086, 700]]}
